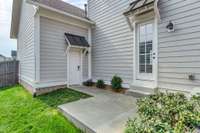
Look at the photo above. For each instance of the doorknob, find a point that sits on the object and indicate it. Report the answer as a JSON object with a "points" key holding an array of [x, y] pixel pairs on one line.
{"points": [[78, 68], [154, 55]]}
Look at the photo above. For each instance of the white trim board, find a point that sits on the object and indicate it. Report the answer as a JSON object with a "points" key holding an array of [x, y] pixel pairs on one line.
{"points": [[90, 53], [49, 84], [62, 20], [61, 12]]}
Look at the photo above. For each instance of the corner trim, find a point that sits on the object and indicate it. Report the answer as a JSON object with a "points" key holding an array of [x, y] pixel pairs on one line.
{"points": [[37, 47]]}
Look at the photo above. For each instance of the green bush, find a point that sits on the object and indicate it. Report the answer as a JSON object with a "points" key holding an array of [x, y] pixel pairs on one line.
{"points": [[166, 113], [88, 83], [116, 82], [100, 84]]}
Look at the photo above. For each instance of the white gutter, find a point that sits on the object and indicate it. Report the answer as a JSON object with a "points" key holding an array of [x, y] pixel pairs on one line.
{"points": [[61, 12]]}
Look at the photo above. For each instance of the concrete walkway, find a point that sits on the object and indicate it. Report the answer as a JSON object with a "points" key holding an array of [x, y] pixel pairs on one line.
{"points": [[106, 112]]}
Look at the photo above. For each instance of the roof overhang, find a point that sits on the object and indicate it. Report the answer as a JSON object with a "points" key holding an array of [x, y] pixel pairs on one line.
{"points": [[61, 12], [16, 9], [76, 41], [16, 12], [141, 7]]}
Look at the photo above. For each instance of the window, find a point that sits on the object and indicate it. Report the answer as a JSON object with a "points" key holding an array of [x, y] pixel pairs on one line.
{"points": [[145, 48]]}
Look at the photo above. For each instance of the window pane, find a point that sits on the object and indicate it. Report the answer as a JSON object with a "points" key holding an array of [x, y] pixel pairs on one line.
{"points": [[149, 69], [142, 43], [149, 48], [142, 39], [145, 48], [148, 59], [149, 37], [149, 28], [142, 30], [142, 49], [142, 68], [142, 59]]}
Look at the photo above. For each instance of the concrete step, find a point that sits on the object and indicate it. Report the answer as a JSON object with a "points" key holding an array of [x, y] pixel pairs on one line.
{"points": [[139, 92], [81, 125]]}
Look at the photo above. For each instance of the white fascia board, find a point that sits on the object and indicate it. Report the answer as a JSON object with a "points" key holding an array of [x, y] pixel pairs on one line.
{"points": [[61, 12]]}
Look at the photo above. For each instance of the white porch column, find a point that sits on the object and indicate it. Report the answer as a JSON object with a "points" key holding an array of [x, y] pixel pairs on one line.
{"points": [[90, 53], [67, 52]]}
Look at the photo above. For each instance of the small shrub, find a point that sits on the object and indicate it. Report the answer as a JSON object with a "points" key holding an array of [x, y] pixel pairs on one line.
{"points": [[166, 113], [88, 83], [100, 84], [116, 82]]}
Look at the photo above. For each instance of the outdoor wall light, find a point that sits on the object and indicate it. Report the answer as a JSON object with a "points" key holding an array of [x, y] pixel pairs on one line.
{"points": [[191, 77], [170, 27]]}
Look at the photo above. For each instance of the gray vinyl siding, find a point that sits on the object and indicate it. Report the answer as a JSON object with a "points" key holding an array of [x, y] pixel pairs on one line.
{"points": [[26, 43], [112, 40], [53, 58], [179, 52]]}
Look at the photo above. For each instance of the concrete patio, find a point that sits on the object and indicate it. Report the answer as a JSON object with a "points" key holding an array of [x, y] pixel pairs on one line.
{"points": [[105, 112]]}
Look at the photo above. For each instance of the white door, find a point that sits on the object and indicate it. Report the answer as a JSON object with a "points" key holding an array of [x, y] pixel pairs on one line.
{"points": [[145, 51], [75, 68]]}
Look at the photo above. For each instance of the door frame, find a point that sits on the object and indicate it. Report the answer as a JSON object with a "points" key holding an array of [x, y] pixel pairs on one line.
{"points": [[145, 83], [68, 65]]}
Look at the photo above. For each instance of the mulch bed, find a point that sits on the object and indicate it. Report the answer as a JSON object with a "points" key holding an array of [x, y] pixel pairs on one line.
{"points": [[109, 88]]}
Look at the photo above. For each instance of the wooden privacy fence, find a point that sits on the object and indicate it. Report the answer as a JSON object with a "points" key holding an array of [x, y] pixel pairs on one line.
{"points": [[8, 73]]}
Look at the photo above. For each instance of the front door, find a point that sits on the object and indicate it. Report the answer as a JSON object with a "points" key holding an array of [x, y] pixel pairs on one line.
{"points": [[75, 68], [145, 48]]}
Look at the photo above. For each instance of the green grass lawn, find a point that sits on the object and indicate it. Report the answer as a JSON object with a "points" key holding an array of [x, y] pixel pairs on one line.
{"points": [[21, 113]]}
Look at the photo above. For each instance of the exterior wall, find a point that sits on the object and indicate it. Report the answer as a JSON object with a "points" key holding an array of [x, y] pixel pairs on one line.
{"points": [[53, 57], [112, 40], [26, 43], [179, 52]]}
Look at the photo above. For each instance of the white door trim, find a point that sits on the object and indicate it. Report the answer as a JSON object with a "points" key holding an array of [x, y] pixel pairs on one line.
{"points": [[145, 83], [68, 66], [90, 53]]}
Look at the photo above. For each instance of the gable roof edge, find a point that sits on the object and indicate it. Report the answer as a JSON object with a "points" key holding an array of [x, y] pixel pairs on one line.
{"points": [[16, 11], [61, 12]]}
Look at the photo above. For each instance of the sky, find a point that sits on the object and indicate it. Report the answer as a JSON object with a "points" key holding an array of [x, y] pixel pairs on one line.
{"points": [[79, 3], [7, 44]]}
